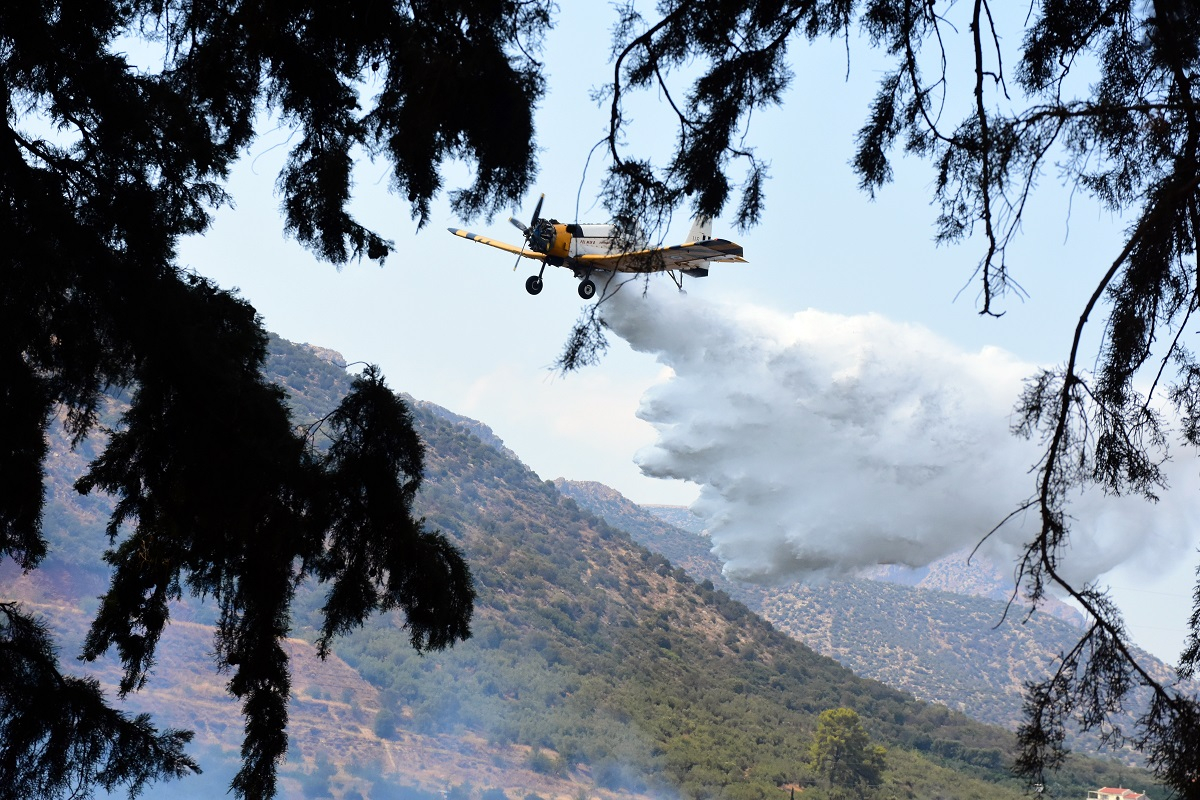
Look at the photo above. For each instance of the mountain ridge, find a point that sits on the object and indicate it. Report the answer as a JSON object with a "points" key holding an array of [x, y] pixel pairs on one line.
{"points": [[598, 668], [968, 651]]}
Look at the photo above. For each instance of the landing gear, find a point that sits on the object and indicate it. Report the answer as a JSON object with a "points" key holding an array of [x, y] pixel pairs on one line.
{"points": [[533, 284], [587, 289]]}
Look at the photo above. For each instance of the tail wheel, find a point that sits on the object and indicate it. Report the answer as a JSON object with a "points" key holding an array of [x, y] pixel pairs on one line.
{"points": [[587, 289], [534, 284]]}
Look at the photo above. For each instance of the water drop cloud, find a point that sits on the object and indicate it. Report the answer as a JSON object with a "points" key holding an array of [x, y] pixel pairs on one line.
{"points": [[825, 443]]}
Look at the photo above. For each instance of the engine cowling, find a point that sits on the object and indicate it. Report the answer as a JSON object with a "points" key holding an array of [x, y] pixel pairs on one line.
{"points": [[554, 238]]}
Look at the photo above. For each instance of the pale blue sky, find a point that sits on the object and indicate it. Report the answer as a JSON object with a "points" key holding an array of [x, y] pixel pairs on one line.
{"points": [[450, 322]]}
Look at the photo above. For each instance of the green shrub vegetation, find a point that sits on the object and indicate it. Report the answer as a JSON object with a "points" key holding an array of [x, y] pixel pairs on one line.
{"points": [[589, 647], [613, 665]]}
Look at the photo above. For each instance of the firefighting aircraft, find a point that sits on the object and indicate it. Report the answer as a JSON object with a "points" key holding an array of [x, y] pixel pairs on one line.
{"points": [[590, 249]]}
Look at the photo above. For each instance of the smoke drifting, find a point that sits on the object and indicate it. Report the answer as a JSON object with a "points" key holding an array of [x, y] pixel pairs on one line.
{"points": [[824, 443]]}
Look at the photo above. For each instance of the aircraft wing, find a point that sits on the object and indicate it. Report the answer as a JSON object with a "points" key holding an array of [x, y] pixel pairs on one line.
{"points": [[512, 248], [658, 259]]}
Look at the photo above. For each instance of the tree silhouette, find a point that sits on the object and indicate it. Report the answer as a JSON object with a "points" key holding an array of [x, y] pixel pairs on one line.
{"points": [[1102, 92], [58, 733], [104, 165]]}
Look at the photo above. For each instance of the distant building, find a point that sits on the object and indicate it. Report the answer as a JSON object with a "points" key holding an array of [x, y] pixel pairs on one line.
{"points": [[1115, 794]]}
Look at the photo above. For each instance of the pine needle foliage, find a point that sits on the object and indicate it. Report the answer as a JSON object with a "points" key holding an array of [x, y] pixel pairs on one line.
{"points": [[58, 737], [844, 756], [106, 160], [1100, 92]]}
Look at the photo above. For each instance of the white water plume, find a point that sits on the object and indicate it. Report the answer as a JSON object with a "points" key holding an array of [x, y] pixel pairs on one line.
{"points": [[823, 443]]}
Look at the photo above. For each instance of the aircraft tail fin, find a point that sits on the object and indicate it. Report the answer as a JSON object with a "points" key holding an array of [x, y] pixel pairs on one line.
{"points": [[701, 230]]}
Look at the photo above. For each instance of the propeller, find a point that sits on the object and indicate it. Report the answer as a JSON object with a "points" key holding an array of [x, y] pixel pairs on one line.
{"points": [[532, 238]]}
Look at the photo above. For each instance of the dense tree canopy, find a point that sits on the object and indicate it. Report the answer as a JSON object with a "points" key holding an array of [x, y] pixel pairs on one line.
{"points": [[106, 162]]}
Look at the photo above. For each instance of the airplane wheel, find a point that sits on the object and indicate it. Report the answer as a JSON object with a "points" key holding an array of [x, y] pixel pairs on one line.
{"points": [[533, 285], [587, 289]]}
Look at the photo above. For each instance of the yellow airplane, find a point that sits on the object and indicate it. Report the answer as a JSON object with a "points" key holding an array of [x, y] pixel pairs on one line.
{"points": [[589, 249]]}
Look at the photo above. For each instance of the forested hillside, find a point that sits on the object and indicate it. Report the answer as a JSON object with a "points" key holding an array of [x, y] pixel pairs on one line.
{"points": [[971, 653], [597, 668]]}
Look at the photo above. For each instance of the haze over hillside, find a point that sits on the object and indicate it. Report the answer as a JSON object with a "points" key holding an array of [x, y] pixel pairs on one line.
{"points": [[597, 667], [963, 572]]}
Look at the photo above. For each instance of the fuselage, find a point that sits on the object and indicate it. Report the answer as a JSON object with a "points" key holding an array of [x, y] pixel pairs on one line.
{"points": [[569, 241]]}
